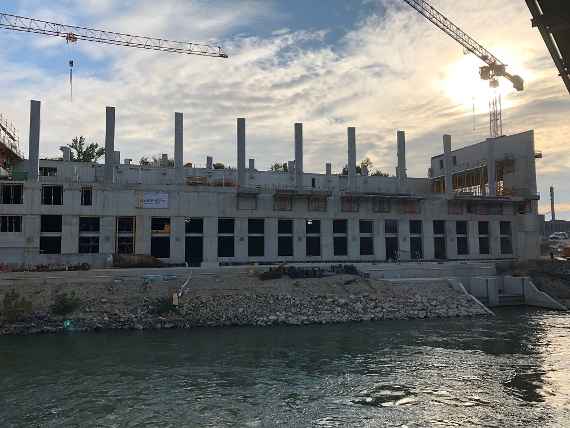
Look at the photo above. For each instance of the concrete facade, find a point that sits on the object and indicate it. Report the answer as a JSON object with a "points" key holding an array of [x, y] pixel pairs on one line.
{"points": [[74, 211]]}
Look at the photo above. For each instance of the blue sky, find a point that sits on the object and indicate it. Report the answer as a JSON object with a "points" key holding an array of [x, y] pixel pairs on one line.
{"points": [[373, 64]]}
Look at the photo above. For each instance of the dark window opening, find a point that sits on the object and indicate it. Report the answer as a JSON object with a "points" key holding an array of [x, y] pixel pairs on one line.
{"points": [[225, 246], [285, 246], [194, 225], [392, 248], [381, 206], [313, 226], [483, 228], [125, 224], [439, 227], [87, 196], [415, 227], [255, 246], [52, 195], [441, 164], [340, 246], [160, 247], [416, 248], [89, 224], [391, 226], [11, 223], [125, 245], [285, 227], [51, 223], [454, 160], [50, 244], [462, 245], [160, 224], [194, 250], [88, 245], [255, 226], [313, 244], [461, 227], [313, 182], [366, 226], [484, 245], [506, 245], [505, 227], [48, 171], [340, 226], [226, 225], [440, 251], [11, 194], [366, 246]]}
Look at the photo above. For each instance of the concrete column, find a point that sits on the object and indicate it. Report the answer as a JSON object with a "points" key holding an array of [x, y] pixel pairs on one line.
{"points": [[427, 238], [328, 168], [299, 155], [66, 151], [327, 244], [447, 164], [210, 242], [179, 145], [142, 235], [353, 238], [240, 236], [351, 132], [34, 141], [379, 240], [451, 236], [401, 168], [299, 236], [473, 238], [404, 238], [251, 165], [271, 238], [177, 240], [242, 178], [209, 162], [70, 235], [491, 172], [494, 238], [109, 144], [107, 235]]}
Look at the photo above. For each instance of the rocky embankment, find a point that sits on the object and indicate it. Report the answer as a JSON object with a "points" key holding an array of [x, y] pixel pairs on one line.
{"points": [[128, 301]]}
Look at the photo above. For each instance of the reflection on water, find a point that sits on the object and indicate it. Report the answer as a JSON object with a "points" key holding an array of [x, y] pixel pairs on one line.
{"points": [[512, 370]]}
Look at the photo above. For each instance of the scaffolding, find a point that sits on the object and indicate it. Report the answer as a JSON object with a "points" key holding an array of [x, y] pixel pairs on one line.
{"points": [[9, 138]]}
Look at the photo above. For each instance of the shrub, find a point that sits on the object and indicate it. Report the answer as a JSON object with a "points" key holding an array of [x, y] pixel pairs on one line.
{"points": [[163, 306], [15, 307], [64, 304]]}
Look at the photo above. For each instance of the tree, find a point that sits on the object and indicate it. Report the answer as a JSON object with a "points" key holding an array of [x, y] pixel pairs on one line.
{"points": [[366, 162], [83, 152], [144, 161], [378, 173], [279, 167], [218, 165]]}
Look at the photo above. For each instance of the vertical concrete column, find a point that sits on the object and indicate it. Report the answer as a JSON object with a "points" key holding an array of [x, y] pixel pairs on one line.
{"points": [[241, 241], [379, 240], [70, 235], [351, 133], [401, 168], [473, 237], [451, 236], [491, 172], [327, 244], [404, 238], [270, 238], [34, 141], [447, 164], [210, 242], [353, 238], [299, 156], [142, 235], [179, 145], [251, 165], [109, 144], [299, 237], [177, 240], [31, 227], [107, 235], [427, 238], [242, 179], [494, 238], [328, 168]]}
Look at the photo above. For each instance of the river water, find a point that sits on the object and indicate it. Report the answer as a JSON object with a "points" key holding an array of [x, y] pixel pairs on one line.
{"points": [[512, 370]]}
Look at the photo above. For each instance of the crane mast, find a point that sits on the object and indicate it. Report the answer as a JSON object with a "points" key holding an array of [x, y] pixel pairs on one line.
{"points": [[73, 33], [493, 69]]}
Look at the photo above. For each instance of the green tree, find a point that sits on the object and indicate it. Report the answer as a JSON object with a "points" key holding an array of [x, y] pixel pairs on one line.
{"points": [[279, 167], [83, 152]]}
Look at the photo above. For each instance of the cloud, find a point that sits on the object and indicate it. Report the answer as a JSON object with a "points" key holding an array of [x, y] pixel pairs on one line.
{"points": [[392, 70]]}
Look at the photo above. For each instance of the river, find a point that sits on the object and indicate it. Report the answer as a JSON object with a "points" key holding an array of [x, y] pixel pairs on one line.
{"points": [[511, 370]]}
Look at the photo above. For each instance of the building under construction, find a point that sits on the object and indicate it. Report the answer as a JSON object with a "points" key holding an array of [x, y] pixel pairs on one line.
{"points": [[477, 203]]}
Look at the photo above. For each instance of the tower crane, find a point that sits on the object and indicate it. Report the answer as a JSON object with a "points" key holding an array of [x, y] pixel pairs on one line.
{"points": [[491, 71], [72, 34]]}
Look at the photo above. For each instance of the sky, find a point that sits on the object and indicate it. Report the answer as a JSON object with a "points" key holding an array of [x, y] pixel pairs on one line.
{"points": [[373, 64]]}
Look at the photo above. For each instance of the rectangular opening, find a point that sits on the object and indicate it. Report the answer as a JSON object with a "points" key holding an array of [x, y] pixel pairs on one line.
{"points": [[461, 227], [313, 244], [392, 248], [440, 252], [11, 194], [48, 171], [125, 224], [52, 195], [415, 227], [86, 196], [226, 225], [10, 224], [160, 247], [285, 246], [416, 248], [226, 246], [88, 245], [125, 245], [282, 203], [50, 244], [439, 227], [462, 245], [366, 226], [194, 250], [317, 204], [484, 245], [255, 226], [340, 244], [340, 226], [381, 206], [506, 245], [255, 246], [349, 204], [483, 228], [285, 227], [505, 228], [313, 226], [194, 226], [160, 225], [51, 223], [366, 246], [391, 227], [89, 224]]}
